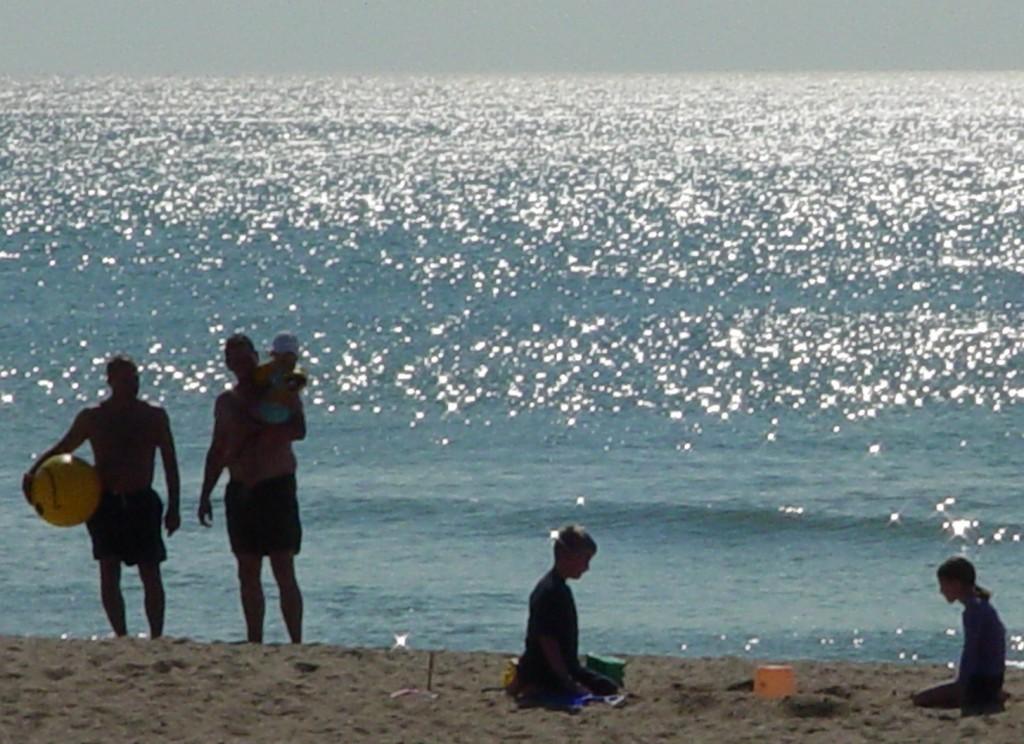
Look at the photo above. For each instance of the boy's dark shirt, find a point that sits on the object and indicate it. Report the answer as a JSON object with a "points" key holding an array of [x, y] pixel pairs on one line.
{"points": [[553, 614]]}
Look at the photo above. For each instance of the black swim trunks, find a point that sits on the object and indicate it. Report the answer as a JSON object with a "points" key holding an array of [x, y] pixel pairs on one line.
{"points": [[263, 519], [127, 527]]}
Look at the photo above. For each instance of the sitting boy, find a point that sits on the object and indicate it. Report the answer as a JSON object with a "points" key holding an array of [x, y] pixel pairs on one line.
{"points": [[550, 664]]}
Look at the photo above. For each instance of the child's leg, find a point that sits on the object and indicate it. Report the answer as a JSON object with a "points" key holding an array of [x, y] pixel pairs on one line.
{"points": [[946, 695]]}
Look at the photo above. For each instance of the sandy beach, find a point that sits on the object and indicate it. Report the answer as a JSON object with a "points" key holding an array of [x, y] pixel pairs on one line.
{"points": [[113, 691]]}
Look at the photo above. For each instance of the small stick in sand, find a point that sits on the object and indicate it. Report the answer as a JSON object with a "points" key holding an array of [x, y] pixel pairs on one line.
{"points": [[417, 691]]}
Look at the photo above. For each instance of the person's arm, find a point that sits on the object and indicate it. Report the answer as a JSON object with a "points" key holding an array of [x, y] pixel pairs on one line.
{"points": [[165, 442], [970, 655], [76, 436], [553, 656], [296, 425], [216, 461]]}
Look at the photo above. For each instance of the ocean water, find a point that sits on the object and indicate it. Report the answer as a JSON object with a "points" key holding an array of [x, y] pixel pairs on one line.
{"points": [[761, 335]]}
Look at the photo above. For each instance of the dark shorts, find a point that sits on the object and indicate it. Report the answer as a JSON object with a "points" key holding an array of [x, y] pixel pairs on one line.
{"points": [[263, 519], [127, 527], [982, 695]]}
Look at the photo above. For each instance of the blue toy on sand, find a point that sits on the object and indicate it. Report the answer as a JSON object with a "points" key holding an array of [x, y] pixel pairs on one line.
{"points": [[569, 702]]}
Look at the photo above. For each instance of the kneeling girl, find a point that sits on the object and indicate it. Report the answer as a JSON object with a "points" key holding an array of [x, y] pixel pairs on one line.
{"points": [[978, 687]]}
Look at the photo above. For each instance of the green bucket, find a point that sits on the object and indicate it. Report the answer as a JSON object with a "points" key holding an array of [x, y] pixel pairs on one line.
{"points": [[610, 666]]}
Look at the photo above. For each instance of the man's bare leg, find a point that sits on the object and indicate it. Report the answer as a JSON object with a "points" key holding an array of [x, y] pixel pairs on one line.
{"points": [[153, 589], [283, 565], [251, 586], [110, 594]]}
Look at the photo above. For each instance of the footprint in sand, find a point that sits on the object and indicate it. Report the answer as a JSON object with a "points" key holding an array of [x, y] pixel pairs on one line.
{"points": [[58, 673], [813, 706]]}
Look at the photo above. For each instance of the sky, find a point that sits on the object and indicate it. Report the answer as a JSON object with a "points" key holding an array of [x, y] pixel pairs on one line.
{"points": [[240, 37]]}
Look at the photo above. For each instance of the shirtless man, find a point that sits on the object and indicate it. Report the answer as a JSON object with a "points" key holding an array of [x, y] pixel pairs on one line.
{"points": [[260, 502], [125, 434]]}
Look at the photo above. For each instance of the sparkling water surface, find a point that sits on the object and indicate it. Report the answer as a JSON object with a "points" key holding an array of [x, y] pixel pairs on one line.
{"points": [[759, 334]]}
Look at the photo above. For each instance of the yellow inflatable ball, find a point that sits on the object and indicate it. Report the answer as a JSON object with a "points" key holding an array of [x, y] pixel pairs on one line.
{"points": [[65, 490]]}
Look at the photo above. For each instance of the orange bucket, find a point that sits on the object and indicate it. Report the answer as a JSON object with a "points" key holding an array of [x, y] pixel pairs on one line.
{"points": [[774, 681]]}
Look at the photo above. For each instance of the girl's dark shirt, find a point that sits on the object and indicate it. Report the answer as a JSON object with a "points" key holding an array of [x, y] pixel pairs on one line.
{"points": [[984, 652]]}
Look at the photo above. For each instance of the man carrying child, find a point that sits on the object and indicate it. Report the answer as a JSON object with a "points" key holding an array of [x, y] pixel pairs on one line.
{"points": [[260, 500]]}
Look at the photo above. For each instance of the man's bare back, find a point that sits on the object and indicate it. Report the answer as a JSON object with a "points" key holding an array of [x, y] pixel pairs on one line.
{"points": [[124, 438]]}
